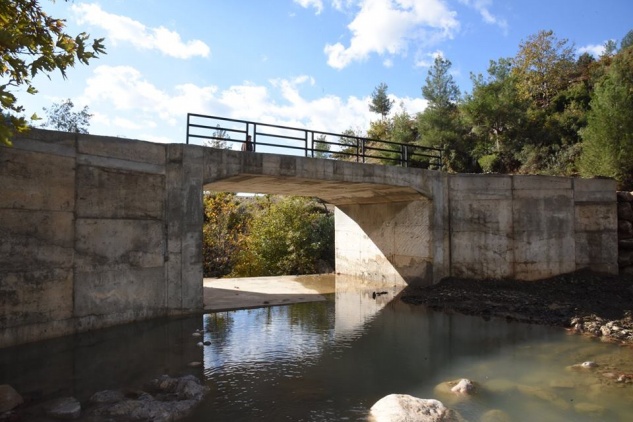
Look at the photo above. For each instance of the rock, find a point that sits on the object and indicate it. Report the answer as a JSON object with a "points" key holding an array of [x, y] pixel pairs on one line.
{"points": [[196, 334], [464, 386], [206, 343], [107, 396], [9, 398], [185, 388], [64, 408], [405, 408], [585, 365], [171, 399], [495, 415], [194, 364], [457, 389]]}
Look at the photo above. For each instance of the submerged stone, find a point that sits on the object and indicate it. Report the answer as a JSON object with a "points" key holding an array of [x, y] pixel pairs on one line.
{"points": [[9, 398], [64, 408]]}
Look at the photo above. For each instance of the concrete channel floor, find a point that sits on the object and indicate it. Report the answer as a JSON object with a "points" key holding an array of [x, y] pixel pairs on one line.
{"points": [[223, 294]]}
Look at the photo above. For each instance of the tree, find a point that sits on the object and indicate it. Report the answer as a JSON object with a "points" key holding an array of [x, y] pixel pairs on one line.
{"points": [[287, 235], [218, 139], [349, 142], [542, 67], [321, 147], [225, 221], [495, 114], [440, 125], [380, 102], [440, 89], [61, 117], [627, 41], [33, 43], [607, 148]]}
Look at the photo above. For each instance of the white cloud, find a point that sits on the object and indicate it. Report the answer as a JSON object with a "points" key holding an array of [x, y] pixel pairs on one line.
{"points": [[389, 26], [483, 7], [317, 4], [124, 29], [124, 101], [596, 50]]}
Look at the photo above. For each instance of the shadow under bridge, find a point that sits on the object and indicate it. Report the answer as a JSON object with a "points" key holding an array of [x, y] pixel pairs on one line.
{"points": [[389, 224]]}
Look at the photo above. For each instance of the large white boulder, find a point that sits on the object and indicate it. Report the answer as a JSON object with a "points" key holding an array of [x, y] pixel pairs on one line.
{"points": [[405, 408]]}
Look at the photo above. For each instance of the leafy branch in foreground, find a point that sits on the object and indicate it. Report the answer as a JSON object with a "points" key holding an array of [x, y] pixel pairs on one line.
{"points": [[31, 43]]}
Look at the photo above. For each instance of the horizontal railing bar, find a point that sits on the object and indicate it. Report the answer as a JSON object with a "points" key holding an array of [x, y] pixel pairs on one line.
{"points": [[349, 145]]}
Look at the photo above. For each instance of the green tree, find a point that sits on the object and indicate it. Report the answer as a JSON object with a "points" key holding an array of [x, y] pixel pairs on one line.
{"points": [[287, 235], [321, 147], [349, 145], [607, 148], [33, 43], [224, 226], [542, 67], [380, 102], [627, 40], [495, 114], [62, 117], [610, 48], [440, 125], [440, 89]]}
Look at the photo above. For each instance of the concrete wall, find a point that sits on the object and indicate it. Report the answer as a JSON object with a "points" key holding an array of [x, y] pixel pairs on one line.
{"points": [[388, 243], [531, 227], [95, 232]]}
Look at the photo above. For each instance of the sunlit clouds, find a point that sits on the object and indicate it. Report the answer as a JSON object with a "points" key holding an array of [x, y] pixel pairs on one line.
{"points": [[124, 29]]}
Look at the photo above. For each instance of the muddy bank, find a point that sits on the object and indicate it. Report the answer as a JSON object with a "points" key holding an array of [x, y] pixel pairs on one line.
{"points": [[584, 302]]}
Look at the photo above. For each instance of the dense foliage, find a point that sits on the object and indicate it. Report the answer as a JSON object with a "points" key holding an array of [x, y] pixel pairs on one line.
{"points": [[262, 236], [543, 111], [33, 43]]}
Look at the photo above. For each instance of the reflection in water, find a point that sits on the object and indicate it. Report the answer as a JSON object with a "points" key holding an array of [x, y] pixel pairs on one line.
{"points": [[330, 361]]}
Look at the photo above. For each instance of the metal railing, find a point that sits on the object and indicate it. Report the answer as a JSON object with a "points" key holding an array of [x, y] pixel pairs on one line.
{"points": [[222, 132]]}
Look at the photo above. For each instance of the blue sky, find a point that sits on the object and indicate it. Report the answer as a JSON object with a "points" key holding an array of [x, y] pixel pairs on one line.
{"points": [[305, 63]]}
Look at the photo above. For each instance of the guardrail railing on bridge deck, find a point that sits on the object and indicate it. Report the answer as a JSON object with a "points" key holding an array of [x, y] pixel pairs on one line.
{"points": [[222, 132]]}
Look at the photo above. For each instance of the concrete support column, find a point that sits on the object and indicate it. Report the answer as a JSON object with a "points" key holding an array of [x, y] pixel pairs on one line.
{"points": [[183, 266]]}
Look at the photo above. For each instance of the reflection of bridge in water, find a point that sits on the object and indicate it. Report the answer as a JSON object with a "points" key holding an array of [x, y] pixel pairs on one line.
{"points": [[102, 231]]}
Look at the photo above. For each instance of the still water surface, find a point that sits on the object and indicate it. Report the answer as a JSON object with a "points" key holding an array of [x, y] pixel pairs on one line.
{"points": [[330, 361]]}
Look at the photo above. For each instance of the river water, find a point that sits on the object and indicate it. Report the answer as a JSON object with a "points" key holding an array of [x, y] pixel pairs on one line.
{"points": [[330, 361]]}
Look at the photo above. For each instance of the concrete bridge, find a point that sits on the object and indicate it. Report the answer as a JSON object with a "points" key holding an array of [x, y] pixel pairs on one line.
{"points": [[99, 231]]}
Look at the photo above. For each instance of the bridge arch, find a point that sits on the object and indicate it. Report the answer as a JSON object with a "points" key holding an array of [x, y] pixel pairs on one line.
{"points": [[385, 216]]}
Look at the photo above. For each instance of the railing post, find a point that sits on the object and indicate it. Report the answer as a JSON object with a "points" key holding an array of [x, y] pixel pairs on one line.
{"points": [[254, 134], [404, 157], [305, 142], [188, 123]]}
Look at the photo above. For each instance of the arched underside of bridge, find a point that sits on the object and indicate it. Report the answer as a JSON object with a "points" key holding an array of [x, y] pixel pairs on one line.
{"points": [[389, 230]]}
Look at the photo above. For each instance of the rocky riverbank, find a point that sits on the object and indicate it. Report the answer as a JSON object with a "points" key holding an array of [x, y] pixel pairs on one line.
{"points": [[583, 302]]}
